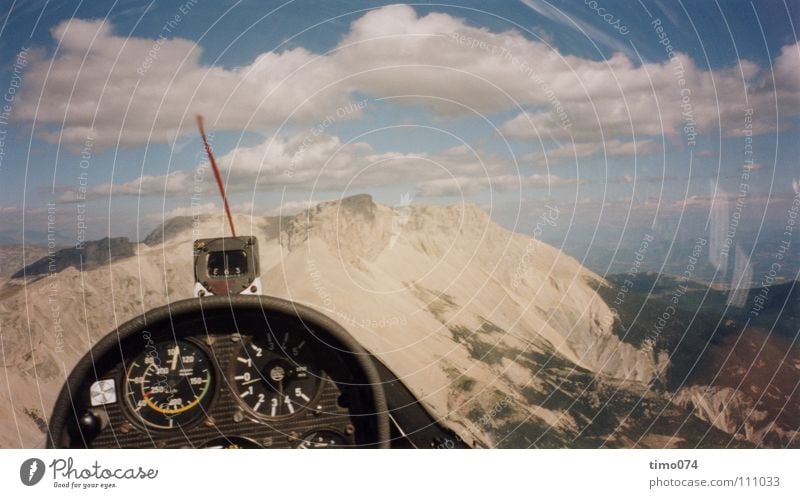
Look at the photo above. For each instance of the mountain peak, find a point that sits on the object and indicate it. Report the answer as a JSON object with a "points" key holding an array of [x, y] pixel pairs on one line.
{"points": [[357, 202], [358, 228], [90, 255], [360, 205]]}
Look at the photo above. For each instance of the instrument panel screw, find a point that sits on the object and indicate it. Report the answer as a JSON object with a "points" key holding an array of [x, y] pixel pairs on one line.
{"points": [[349, 429], [238, 416], [209, 422], [125, 428]]}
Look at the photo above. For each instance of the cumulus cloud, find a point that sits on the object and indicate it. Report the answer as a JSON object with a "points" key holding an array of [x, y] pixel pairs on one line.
{"points": [[287, 208], [134, 90], [175, 183], [461, 185], [320, 163], [99, 79], [609, 148], [292, 207], [200, 209], [325, 163], [673, 98]]}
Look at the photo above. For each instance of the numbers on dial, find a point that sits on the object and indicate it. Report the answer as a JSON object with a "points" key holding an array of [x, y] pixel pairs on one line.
{"points": [[169, 384], [276, 377]]}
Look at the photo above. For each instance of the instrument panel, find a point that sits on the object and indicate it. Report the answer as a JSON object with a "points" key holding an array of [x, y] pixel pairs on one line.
{"points": [[224, 372]]}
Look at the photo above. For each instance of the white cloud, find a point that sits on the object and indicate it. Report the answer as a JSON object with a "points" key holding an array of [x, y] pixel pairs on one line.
{"points": [[461, 185], [322, 163], [246, 208], [98, 79], [609, 148], [621, 100], [291, 207], [192, 210], [175, 183], [204, 208]]}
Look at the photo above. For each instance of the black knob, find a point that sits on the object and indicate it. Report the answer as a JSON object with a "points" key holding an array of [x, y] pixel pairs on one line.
{"points": [[90, 425]]}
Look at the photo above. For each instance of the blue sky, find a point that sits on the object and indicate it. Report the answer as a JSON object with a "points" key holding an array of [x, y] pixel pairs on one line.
{"points": [[511, 106]]}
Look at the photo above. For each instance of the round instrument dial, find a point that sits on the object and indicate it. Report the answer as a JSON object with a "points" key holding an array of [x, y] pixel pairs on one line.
{"points": [[170, 384], [276, 377]]}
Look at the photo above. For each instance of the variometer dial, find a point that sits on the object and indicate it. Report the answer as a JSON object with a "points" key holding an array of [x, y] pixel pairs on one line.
{"points": [[170, 384], [276, 377]]}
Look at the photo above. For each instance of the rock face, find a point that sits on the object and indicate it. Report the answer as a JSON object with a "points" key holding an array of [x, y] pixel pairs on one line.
{"points": [[727, 409], [503, 337]]}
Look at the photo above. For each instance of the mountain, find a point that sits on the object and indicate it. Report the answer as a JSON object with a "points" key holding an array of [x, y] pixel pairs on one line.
{"points": [[510, 341], [90, 255], [15, 256], [735, 368]]}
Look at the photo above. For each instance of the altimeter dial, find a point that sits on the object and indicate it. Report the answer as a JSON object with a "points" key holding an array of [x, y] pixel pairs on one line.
{"points": [[276, 377], [169, 384]]}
